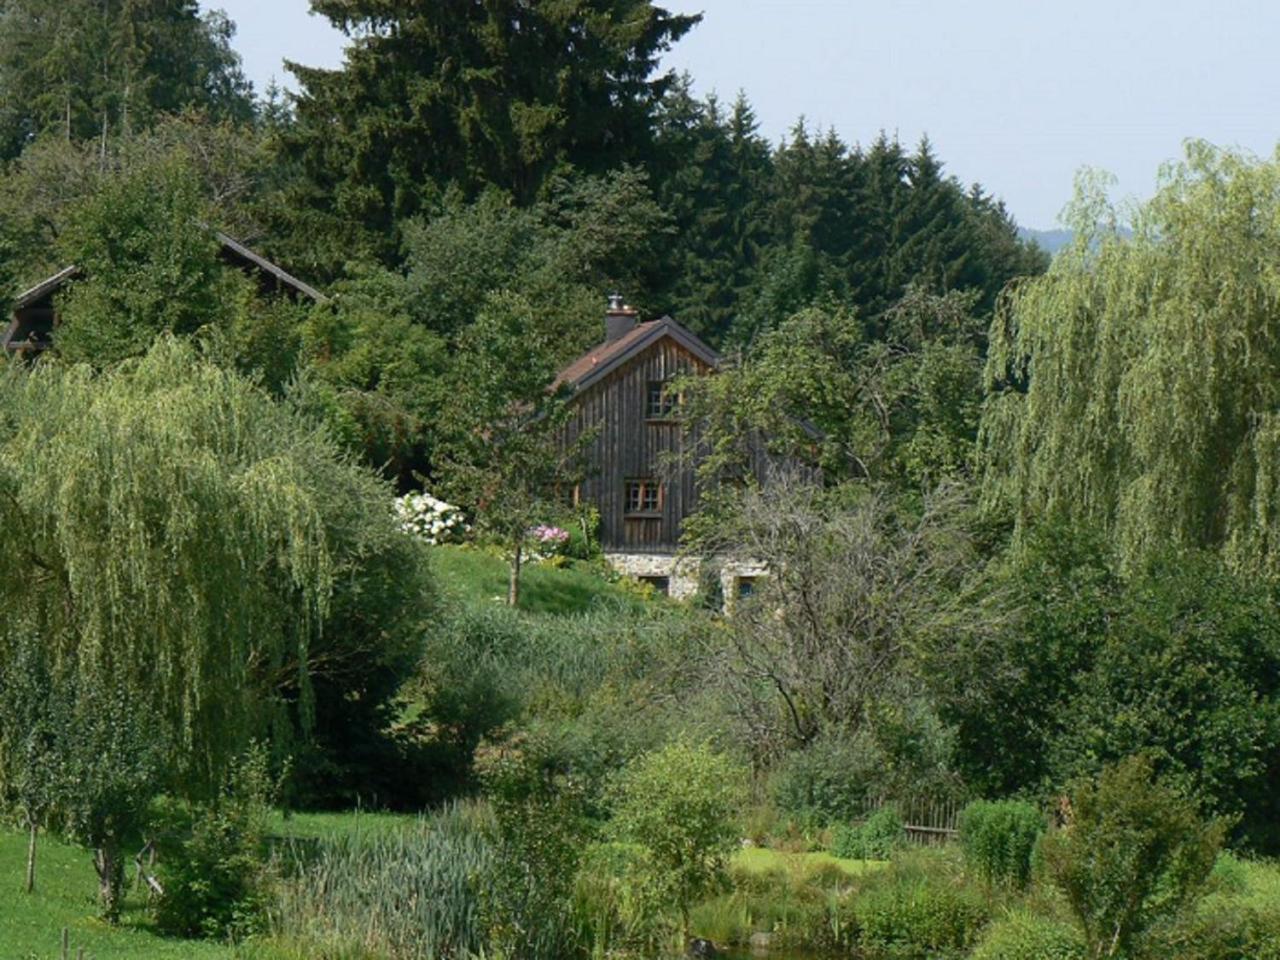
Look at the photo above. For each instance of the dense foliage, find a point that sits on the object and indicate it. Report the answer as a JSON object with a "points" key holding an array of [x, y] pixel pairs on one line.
{"points": [[999, 839], [1017, 525], [1132, 853], [1131, 389], [470, 96], [86, 69], [1072, 665]]}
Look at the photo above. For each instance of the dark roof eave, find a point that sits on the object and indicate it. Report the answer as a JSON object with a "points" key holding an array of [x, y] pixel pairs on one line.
{"points": [[48, 286], [266, 266], [45, 287]]}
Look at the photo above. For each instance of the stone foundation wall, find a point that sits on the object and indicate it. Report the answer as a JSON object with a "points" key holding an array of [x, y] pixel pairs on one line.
{"points": [[682, 573]]}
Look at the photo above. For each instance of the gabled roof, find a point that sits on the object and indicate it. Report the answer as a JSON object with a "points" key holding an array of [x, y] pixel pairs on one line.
{"points": [[228, 244], [604, 358]]}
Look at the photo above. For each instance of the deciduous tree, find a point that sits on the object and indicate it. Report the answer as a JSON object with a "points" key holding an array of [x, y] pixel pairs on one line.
{"points": [[1133, 388]]}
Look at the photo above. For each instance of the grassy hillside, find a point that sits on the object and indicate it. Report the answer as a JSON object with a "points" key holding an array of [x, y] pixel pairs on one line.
{"points": [[477, 576]]}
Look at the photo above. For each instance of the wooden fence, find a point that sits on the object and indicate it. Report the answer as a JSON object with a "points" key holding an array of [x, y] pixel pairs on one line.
{"points": [[931, 822], [927, 821]]}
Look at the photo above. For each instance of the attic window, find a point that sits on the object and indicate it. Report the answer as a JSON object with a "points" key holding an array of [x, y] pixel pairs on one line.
{"points": [[644, 497], [661, 402]]}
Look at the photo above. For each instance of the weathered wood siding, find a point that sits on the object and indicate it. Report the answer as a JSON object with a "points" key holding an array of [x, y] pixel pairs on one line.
{"points": [[624, 445]]}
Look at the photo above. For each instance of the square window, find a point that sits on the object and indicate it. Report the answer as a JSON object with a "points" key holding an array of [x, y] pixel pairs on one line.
{"points": [[660, 402], [644, 496]]}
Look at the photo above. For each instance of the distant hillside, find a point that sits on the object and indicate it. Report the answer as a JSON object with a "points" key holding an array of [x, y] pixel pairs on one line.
{"points": [[1050, 241]]}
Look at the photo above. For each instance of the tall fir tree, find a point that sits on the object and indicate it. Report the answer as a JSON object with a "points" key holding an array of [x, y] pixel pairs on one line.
{"points": [[713, 169], [469, 95]]}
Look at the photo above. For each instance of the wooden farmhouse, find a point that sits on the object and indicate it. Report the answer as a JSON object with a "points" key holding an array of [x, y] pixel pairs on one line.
{"points": [[31, 329], [637, 473]]}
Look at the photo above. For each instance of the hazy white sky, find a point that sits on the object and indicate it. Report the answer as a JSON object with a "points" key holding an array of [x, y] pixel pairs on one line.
{"points": [[1016, 94]]}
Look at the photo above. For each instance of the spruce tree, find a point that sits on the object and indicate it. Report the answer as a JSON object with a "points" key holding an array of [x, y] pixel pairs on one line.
{"points": [[92, 69], [470, 95]]}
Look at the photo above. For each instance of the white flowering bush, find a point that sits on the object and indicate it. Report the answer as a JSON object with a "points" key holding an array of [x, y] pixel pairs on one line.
{"points": [[430, 518]]}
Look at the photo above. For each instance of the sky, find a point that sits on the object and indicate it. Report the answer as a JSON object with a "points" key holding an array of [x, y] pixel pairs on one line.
{"points": [[1017, 95]]}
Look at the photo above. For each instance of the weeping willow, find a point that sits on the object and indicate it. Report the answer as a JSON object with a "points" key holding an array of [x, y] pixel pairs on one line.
{"points": [[1135, 387], [172, 532]]}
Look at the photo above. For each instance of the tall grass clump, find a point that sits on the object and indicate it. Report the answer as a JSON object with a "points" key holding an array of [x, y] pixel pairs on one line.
{"points": [[409, 894], [919, 908], [999, 837], [1027, 936]]}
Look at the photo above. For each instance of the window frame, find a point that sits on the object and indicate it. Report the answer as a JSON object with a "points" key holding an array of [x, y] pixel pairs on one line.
{"points": [[648, 490], [664, 411], [662, 584]]}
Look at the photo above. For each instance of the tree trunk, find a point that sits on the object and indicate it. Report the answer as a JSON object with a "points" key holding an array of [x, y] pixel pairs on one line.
{"points": [[33, 829], [513, 587], [106, 860]]}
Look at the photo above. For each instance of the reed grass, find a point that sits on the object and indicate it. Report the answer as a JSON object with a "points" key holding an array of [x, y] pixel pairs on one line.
{"points": [[407, 894]]}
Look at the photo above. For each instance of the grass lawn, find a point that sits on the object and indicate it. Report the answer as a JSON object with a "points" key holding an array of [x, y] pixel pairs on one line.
{"points": [[476, 576], [66, 896], [326, 826], [67, 889], [784, 891]]}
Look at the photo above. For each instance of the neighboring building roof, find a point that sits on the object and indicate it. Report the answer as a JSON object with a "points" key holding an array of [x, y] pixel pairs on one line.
{"points": [[606, 357], [45, 287], [229, 245], [35, 333], [266, 266]]}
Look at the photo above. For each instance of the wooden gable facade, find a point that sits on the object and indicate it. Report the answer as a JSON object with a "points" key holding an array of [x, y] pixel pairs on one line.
{"points": [[622, 405], [31, 329]]}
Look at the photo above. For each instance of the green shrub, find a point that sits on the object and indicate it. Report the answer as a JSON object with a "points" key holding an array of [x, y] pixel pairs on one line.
{"points": [[584, 534], [615, 907], [216, 879], [1134, 854], [1229, 874], [1026, 936], [679, 802], [1222, 929], [877, 838], [999, 838], [539, 831], [826, 783]]}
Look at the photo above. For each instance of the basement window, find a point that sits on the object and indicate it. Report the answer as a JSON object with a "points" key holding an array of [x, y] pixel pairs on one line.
{"points": [[660, 584]]}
